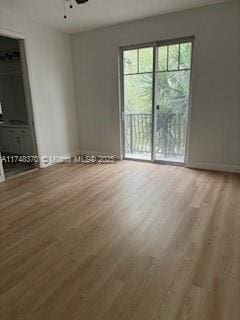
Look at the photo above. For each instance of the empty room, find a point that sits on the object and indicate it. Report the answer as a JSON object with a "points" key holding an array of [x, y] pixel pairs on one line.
{"points": [[120, 160]]}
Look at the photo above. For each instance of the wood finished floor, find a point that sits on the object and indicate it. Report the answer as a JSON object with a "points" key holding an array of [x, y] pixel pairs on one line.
{"points": [[132, 241]]}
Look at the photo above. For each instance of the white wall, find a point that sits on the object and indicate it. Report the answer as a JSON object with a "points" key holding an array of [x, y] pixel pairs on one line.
{"points": [[50, 67], [215, 118]]}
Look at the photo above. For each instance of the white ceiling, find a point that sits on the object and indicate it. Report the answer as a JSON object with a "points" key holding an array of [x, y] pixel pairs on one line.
{"points": [[95, 13]]}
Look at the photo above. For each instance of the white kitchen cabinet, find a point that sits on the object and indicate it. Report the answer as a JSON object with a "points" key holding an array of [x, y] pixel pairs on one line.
{"points": [[15, 140]]}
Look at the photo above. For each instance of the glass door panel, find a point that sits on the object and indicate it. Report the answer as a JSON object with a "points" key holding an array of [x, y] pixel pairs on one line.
{"points": [[156, 78], [172, 101], [138, 97]]}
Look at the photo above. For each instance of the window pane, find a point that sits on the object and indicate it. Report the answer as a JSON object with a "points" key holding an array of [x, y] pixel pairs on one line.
{"points": [[130, 58], [173, 53], [172, 89], [146, 60], [185, 55], [162, 58], [138, 115], [138, 93]]}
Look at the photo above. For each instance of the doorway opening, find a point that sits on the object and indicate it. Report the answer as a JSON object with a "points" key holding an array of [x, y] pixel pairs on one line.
{"points": [[155, 100], [18, 148]]}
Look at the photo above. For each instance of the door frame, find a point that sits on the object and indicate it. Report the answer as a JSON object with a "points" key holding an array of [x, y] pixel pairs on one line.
{"points": [[2, 175], [155, 45], [27, 91]]}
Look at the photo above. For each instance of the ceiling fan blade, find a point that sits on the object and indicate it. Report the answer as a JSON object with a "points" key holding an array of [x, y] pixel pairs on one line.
{"points": [[81, 1]]}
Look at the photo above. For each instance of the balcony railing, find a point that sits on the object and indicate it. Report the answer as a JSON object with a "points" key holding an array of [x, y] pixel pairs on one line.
{"points": [[170, 133]]}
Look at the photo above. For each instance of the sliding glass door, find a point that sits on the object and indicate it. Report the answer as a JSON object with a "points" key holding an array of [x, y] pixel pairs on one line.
{"points": [[156, 91]]}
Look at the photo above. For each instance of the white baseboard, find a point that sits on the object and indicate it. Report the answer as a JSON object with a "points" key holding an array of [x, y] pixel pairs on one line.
{"points": [[213, 166]]}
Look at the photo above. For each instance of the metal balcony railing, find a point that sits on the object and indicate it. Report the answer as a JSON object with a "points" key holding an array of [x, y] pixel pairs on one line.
{"points": [[170, 136]]}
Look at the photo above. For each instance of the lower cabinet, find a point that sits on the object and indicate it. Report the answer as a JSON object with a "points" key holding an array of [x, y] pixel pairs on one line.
{"points": [[15, 140]]}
